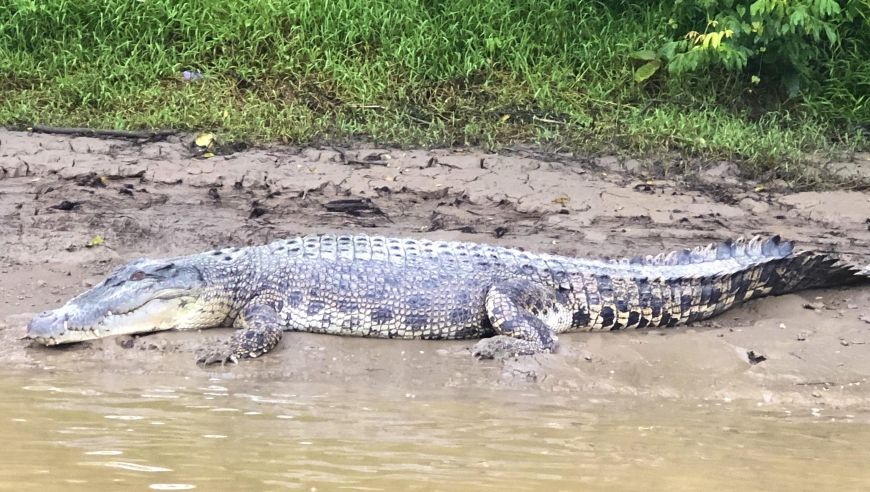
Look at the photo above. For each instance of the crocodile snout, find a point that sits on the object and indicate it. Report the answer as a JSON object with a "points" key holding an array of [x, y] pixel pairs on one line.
{"points": [[47, 325]]}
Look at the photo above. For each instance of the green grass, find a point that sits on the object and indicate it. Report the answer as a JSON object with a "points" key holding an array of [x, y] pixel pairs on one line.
{"points": [[409, 72]]}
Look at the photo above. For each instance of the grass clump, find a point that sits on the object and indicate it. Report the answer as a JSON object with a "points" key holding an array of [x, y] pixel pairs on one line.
{"points": [[415, 72]]}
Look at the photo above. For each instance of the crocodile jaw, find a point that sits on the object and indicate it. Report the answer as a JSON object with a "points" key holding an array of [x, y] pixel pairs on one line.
{"points": [[55, 327]]}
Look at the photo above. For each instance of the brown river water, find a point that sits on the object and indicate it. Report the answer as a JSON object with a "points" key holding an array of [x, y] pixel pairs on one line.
{"points": [[72, 433]]}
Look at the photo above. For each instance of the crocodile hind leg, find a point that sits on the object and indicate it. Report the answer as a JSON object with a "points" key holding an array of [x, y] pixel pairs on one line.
{"points": [[525, 317], [260, 331]]}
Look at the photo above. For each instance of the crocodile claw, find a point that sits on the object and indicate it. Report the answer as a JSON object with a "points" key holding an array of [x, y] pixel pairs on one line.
{"points": [[213, 356], [501, 346], [497, 347]]}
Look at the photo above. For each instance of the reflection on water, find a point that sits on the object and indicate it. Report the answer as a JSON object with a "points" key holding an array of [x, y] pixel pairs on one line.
{"points": [[134, 433]]}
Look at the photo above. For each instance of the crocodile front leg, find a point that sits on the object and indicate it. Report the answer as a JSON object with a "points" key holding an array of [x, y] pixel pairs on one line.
{"points": [[260, 332], [525, 316]]}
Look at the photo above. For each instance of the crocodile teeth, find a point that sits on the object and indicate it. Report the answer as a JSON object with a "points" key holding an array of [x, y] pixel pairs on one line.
{"points": [[65, 325]]}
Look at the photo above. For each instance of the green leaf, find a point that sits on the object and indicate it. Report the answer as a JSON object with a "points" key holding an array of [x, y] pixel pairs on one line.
{"points": [[832, 35], [668, 50], [798, 16], [757, 8], [647, 70], [646, 55]]}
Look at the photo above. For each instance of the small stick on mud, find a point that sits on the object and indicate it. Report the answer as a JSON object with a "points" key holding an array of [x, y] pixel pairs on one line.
{"points": [[355, 207], [353, 162], [341, 153], [102, 133]]}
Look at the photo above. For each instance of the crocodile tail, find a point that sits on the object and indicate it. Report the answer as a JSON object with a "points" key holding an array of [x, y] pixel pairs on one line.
{"points": [[691, 285], [805, 270]]}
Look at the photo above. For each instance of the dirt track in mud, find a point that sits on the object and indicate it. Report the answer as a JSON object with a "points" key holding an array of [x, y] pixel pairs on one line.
{"points": [[159, 199]]}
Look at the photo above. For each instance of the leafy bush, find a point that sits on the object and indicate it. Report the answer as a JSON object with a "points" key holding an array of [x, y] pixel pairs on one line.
{"points": [[783, 37]]}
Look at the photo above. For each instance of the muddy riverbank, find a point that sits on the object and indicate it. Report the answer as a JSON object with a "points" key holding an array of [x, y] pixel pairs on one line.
{"points": [[159, 199]]}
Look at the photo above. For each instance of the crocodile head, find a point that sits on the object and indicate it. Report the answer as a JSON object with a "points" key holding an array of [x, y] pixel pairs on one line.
{"points": [[140, 297]]}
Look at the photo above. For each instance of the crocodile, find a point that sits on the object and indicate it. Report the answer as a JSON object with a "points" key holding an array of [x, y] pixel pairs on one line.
{"points": [[516, 302]]}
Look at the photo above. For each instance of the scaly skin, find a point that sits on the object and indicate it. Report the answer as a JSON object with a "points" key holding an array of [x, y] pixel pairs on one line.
{"points": [[406, 288]]}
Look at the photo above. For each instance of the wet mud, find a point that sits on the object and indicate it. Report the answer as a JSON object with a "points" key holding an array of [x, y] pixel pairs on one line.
{"points": [[157, 199]]}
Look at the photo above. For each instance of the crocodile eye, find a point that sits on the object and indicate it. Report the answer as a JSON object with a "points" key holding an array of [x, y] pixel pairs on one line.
{"points": [[137, 276]]}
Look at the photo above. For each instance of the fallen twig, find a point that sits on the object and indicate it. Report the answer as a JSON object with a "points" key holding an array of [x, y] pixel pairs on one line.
{"points": [[418, 120], [545, 120], [340, 153], [102, 133], [354, 162]]}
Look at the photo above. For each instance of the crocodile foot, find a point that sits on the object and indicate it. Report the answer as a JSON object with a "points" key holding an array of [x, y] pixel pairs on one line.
{"points": [[500, 346], [222, 353]]}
